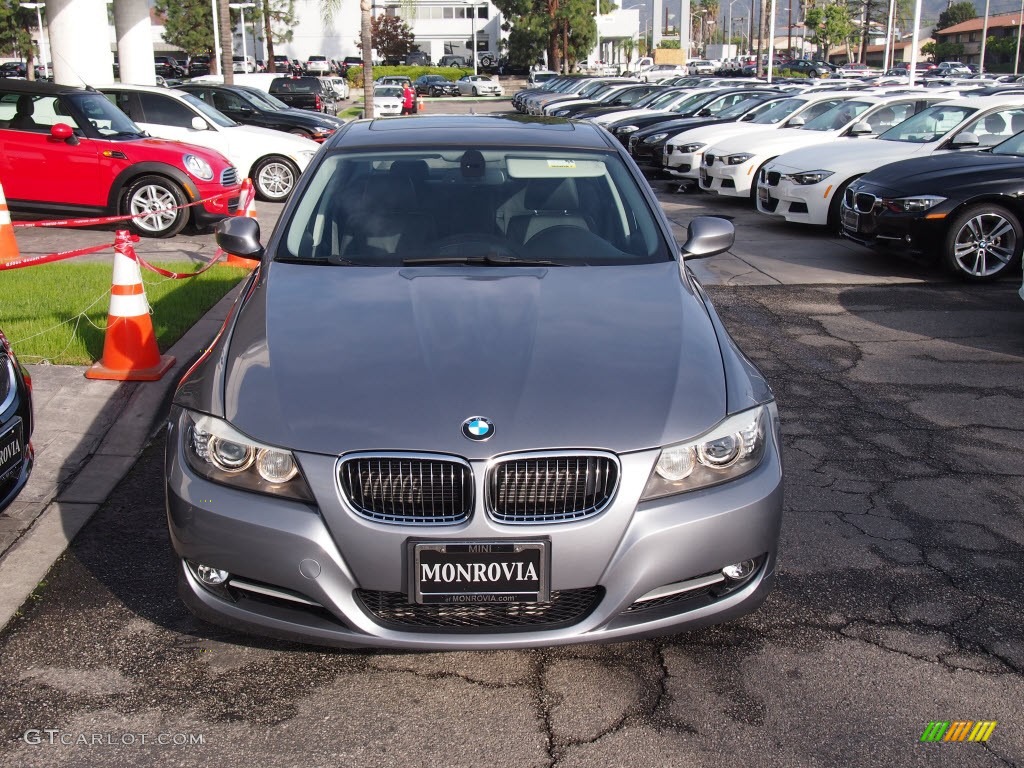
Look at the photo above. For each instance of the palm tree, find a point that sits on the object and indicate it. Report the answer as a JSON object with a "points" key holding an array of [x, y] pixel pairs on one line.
{"points": [[327, 10], [227, 64]]}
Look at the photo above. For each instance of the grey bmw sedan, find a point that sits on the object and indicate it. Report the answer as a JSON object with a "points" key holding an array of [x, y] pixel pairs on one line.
{"points": [[471, 398]]}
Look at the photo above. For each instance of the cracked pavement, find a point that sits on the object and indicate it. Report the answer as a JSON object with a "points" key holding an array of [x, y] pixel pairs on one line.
{"points": [[899, 598]]}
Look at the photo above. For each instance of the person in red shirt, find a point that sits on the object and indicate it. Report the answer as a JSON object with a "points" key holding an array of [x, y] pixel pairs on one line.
{"points": [[408, 100]]}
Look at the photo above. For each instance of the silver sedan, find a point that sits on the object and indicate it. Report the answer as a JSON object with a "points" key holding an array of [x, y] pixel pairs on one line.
{"points": [[521, 426]]}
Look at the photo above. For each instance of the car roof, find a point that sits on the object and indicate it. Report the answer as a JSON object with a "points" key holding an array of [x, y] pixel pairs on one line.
{"points": [[25, 86], [460, 130]]}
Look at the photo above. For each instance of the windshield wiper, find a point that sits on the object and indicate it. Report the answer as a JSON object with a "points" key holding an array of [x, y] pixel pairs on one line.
{"points": [[488, 261]]}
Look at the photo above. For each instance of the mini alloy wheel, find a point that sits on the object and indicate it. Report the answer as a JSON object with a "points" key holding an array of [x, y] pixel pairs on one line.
{"points": [[156, 203]]}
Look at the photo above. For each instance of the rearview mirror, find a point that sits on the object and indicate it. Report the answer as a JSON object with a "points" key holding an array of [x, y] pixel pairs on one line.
{"points": [[706, 236]]}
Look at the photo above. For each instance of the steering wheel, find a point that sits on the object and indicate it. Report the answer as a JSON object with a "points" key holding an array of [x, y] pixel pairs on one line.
{"points": [[475, 244]]}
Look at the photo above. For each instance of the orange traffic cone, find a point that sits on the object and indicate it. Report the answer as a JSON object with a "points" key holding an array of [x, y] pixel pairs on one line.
{"points": [[247, 208], [421, 105], [129, 348], [8, 245]]}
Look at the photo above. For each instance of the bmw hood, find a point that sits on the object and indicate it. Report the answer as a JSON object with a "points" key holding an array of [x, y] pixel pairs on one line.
{"points": [[940, 172], [848, 155], [337, 359]]}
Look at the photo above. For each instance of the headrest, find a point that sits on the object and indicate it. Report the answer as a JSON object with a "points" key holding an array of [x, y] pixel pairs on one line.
{"points": [[995, 123], [388, 192], [417, 170], [472, 164], [26, 106], [551, 195], [1017, 122]]}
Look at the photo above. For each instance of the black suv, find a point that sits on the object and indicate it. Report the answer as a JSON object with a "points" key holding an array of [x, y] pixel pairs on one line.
{"points": [[13, 69], [453, 61], [348, 63], [168, 67], [200, 65]]}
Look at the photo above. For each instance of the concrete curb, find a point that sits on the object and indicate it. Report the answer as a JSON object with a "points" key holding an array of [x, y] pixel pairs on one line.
{"points": [[28, 561]]}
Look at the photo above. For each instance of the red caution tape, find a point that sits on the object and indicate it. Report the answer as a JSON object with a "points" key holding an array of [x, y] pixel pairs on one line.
{"points": [[115, 219], [34, 261]]}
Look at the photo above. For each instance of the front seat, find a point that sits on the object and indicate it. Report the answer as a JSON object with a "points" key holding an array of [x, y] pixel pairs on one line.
{"points": [[994, 130], [553, 203], [22, 119]]}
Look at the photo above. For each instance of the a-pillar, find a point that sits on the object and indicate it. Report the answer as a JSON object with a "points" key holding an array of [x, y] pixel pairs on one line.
{"points": [[80, 41], [134, 42]]}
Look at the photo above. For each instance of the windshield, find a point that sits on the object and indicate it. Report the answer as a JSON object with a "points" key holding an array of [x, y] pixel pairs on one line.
{"points": [[388, 208], [1012, 146], [104, 117], [211, 114], [660, 100], [778, 111], [928, 125], [388, 90], [839, 116], [273, 101], [692, 103], [740, 108]]}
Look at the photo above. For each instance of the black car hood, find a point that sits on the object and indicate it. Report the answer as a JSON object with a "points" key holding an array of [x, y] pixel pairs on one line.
{"points": [[679, 124], [335, 359], [942, 173]]}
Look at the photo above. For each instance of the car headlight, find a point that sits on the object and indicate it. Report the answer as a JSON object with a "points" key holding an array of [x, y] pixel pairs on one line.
{"points": [[807, 177], [627, 129], [915, 204], [562, 113], [198, 167], [655, 138], [730, 450], [737, 159], [690, 148], [221, 453]]}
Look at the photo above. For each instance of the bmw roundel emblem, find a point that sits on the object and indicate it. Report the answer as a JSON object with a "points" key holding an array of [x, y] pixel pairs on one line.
{"points": [[477, 428]]}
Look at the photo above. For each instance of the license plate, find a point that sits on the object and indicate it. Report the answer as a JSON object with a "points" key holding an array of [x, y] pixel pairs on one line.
{"points": [[850, 219], [12, 448], [480, 572], [763, 196]]}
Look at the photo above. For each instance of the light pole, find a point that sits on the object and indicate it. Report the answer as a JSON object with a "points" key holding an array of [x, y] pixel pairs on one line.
{"points": [[240, 7], [730, 19], [597, 28], [984, 38], [216, 34], [471, 7], [42, 43]]}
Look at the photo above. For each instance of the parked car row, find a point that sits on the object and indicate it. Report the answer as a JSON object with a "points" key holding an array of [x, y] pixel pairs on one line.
{"points": [[470, 85]]}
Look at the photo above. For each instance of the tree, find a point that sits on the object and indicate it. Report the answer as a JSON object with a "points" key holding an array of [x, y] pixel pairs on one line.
{"points": [[955, 14], [566, 29], [392, 37], [279, 19], [16, 25], [187, 25], [828, 26], [944, 51]]}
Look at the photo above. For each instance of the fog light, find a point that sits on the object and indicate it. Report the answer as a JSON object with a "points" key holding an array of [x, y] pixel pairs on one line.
{"points": [[211, 577], [738, 571]]}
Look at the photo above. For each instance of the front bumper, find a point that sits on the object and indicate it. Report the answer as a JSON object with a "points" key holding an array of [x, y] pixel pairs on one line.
{"points": [[630, 549], [798, 203], [728, 180], [211, 212], [920, 234]]}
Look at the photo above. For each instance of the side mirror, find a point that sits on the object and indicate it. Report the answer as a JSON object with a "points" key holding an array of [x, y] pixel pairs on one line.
{"points": [[706, 112], [63, 132], [796, 122], [861, 129], [198, 124], [964, 140], [240, 236], [706, 236]]}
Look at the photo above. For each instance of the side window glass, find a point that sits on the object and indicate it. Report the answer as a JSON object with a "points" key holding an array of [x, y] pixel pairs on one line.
{"points": [[165, 111]]}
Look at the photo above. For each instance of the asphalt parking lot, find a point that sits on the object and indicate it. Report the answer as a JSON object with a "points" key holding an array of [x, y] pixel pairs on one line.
{"points": [[898, 602]]}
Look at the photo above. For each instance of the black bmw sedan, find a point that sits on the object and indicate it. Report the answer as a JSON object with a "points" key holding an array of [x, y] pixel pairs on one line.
{"points": [[15, 425], [251, 106], [963, 209]]}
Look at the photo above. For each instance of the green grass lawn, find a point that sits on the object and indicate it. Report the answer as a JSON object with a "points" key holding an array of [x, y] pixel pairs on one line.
{"points": [[58, 312]]}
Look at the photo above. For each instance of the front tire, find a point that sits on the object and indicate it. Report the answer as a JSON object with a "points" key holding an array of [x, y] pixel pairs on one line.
{"points": [[274, 178], [475, 91], [153, 199], [983, 242]]}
